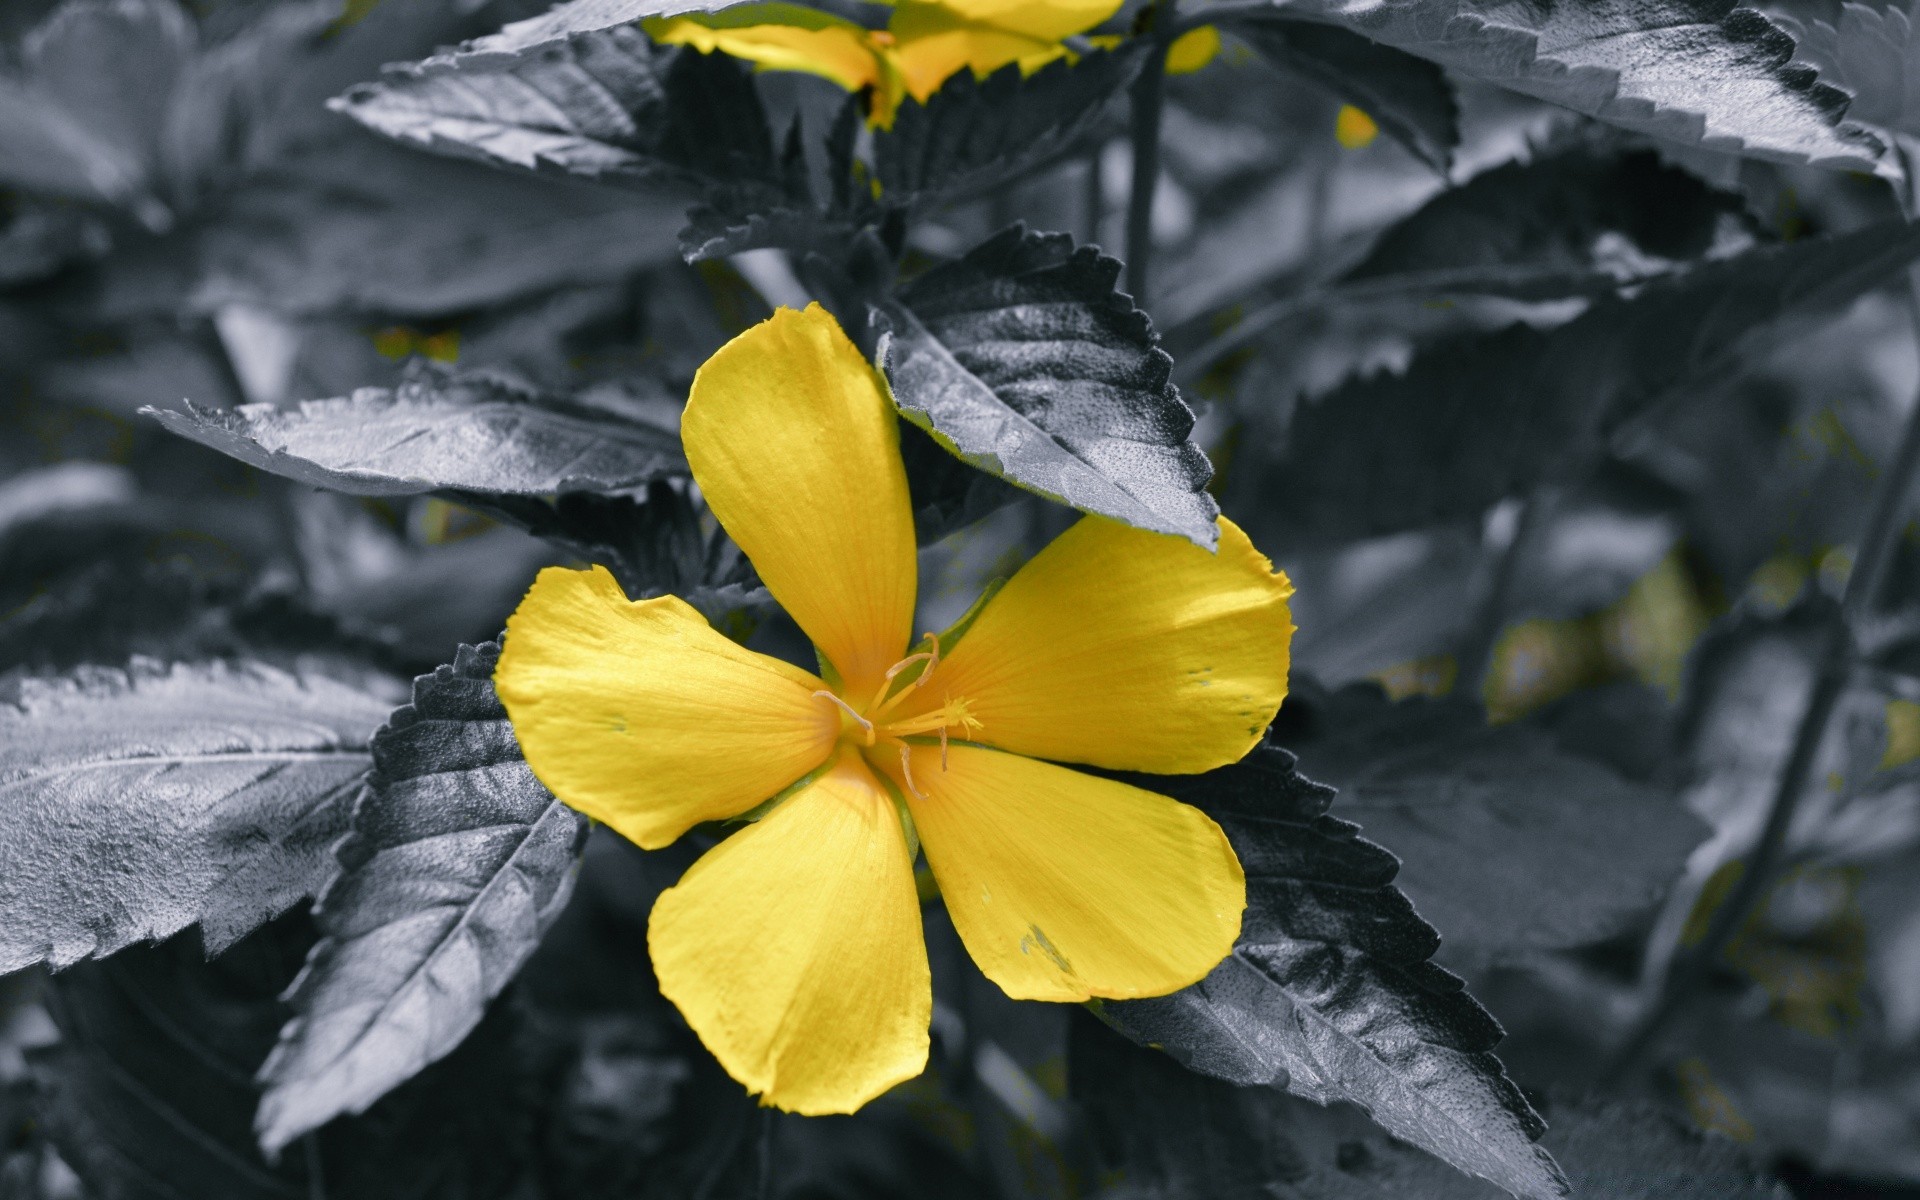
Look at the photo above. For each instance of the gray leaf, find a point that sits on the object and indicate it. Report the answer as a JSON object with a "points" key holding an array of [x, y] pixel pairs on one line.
{"points": [[1509, 845], [135, 803], [572, 17], [1329, 992], [1708, 73], [457, 863], [466, 432], [1022, 359]]}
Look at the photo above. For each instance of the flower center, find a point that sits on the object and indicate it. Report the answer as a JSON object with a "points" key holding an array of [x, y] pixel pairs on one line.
{"points": [[872, 725]]}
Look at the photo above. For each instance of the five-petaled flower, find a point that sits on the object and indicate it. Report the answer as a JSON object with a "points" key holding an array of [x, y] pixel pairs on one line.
{"points": [[925, 43], [794, 947]]}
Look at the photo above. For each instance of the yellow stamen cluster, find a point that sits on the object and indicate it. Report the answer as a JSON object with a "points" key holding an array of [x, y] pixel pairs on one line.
{"points": [[874, 728]]}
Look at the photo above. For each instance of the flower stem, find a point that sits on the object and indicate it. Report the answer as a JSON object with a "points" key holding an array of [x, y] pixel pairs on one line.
{"points": [[1475, 656], [1837, 652], [1147, 99]]}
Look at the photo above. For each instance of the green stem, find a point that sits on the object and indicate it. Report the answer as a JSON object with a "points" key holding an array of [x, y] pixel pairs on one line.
{"points": [[1475, 656], [1147, 98]]}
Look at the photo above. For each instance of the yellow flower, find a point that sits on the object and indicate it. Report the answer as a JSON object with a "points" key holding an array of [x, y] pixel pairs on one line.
{"points": [[1354, 128], [1193, 50], [794, 947], [925, 43]]}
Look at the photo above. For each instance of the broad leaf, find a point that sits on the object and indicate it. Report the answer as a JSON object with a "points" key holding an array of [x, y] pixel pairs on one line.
{"points": [[1871, 52], [149, 1095], [1581, 215], [1408, 97], [574, 17], [974, 134], [1508, 844], [1330, 993], [1490, 417], [1709, 73], [135, 803], [1023, 359], [457, 862], [441, 432], [608, 105]]}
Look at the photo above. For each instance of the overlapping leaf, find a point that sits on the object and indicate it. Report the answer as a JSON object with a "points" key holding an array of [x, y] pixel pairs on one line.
{"points": [[135, 803], [1711, 73], [448, 432], [1408, 97], [1024, 360], [1871, 52], [148, 1095], [457, 862], [1508, 844], [573, 17], [1479, 420], [974, 134], [1329, 992]]}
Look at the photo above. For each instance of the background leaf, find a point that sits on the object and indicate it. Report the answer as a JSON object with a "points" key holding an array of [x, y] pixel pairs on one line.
{"points": [[140, 801], [457, 861], [1408, 97], [1023, 359], [1869, 51], [1509, 845], [1329, 993], [1711, 73], [470, 432]]}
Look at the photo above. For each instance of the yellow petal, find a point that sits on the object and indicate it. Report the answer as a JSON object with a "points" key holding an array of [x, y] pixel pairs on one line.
{"points": [[939, 38], [1353, 128], [1066, 886], [779, 37], [641, 716], [1125, 649], [1193, 49], [794, 949], [794, 442]]}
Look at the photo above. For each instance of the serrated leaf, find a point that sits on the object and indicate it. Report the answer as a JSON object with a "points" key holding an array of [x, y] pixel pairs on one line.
{"points": [[470, 432], [1023, 359], [574, 17], [135, 803], [457, 862], [1508, 844], [149, 1096], [1871, 53], [1554, 225], [1490, 417], [1329, 992], [1408, 97], [1710, 73], [608, 106], [974, 134]]}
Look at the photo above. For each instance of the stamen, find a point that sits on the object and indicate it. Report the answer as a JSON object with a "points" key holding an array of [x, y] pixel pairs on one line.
{"points": [[906, 768], [881, 702], [848, 709]]}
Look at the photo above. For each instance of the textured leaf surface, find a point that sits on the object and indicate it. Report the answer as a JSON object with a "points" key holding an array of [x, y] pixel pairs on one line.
{"points": [[1870, 51], [1023, 359], [609, 105], [1408, 97], [135, 803], [149, 1095], [1710, 73], [457, 862], [578, 16], [1490, 417], [1508, 844], [1330, 993], [470, 432], [973, 134]]}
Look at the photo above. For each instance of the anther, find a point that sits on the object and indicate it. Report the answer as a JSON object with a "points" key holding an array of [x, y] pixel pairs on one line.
{"points": [[848, 709]]}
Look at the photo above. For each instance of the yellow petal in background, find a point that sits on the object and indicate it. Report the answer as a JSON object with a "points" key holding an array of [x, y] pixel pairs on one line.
{"points": [[1193, 50], [641, 716], [937, 40], [794, 949], [1353, 128], [1126, 649], [794, 442], [779, 37], [1065, 886]]}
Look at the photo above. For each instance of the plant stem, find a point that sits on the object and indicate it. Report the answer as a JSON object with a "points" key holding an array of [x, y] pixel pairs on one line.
{"points": [[1878, 542], [1147, 98], [1475, 656], [765, 1188], [1093, 199]]}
